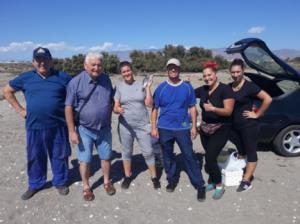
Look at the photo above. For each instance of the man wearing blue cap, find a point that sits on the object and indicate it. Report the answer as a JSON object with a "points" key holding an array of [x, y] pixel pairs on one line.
{"points": [[46, 131]]}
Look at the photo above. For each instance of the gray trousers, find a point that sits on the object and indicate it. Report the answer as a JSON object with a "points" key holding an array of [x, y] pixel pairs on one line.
{"points": [[127, 134]]}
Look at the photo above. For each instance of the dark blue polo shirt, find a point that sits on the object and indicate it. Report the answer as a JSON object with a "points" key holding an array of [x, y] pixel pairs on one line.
{"points": [[97, 111], [44, 97]]}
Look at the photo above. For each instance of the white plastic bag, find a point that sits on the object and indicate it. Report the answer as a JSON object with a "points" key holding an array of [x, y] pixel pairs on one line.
{"points": [[233, 163]]}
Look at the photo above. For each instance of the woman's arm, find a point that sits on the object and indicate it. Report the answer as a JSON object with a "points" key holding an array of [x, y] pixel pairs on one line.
{"points": [[266, 101], [154, 115], [148, 98], [225, 111], [117, 107]]}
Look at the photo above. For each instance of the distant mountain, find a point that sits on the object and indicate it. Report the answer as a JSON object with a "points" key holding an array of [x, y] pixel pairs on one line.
{"points": [[282, 53], [287, 53], [124, 55]]}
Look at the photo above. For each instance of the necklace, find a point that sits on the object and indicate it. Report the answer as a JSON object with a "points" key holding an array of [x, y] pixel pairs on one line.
{"points": [[238, 86]]}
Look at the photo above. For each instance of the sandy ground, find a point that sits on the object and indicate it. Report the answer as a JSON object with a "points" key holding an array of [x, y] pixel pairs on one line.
{"points": [[274, 198]]}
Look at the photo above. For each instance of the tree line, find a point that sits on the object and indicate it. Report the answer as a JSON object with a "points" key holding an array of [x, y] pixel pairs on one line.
{"points": [[154, 61]]}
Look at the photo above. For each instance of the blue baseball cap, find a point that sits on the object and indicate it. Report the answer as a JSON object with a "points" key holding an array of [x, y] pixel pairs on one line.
{"points": [[41, 52]]}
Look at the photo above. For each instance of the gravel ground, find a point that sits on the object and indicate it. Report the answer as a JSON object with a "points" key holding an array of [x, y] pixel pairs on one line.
{"points": [[274, 198]]}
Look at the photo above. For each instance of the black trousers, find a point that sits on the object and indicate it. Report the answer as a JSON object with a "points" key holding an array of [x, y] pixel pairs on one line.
{"points": [[245, 140], [213, 145]]}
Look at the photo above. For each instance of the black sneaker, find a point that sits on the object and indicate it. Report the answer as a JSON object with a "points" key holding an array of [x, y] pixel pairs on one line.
{"points": [[156, 183], [126, 182], [244, 186], [29, 194], [171, 187], [201, 193], [63, 190]]}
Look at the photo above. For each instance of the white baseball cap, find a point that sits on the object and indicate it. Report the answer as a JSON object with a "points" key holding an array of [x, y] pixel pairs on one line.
{"points": [[173, 61]]}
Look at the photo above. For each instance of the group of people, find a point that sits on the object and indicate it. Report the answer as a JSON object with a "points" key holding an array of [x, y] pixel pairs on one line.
{"points": [[60, 109]]}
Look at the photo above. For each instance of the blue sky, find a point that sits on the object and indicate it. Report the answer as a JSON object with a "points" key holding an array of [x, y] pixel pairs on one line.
{"points": [[72, 27]]}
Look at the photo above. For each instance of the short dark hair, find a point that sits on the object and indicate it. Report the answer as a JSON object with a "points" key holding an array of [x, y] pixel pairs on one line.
{"points": [[125, 63], [238, 62]]}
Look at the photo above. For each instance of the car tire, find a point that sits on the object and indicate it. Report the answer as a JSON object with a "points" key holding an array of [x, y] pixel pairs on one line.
{"points": [[287, 142]]}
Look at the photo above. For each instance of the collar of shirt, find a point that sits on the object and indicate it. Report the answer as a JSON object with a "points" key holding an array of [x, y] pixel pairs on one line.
{"points": [[90, 80], [45, 77]]}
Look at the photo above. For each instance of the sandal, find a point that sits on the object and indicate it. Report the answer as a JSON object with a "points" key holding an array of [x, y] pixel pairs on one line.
{"points": [[110, 190], [88, 195]]}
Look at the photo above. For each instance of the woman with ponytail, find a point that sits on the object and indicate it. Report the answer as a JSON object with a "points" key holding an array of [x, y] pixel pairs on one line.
{"points": [[245, 128], [216, 102]]}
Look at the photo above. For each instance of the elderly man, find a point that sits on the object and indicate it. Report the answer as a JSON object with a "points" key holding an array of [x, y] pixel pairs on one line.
{"points": [[94, 119], [175, 98], [46, 131]]}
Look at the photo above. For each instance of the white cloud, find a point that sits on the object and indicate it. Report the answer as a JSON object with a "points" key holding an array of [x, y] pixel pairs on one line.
{"points": [[104, 47], [153, 47], [15, 47], [256, 29], [122, 47], [28, 46]]}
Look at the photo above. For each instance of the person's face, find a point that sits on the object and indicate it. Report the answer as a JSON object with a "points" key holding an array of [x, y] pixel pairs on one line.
{"points": [[127, 74], [237, 73], [93, 67], [209, 76], [42, 65], [173, 71]]}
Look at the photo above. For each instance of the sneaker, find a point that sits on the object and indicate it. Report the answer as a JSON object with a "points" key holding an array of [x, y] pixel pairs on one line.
{"points": [[63, 190], [210, 187], [156, 183], [218, 193], [244, 186], [29, 194], [171, 187], [126, 183], [201, 193]]}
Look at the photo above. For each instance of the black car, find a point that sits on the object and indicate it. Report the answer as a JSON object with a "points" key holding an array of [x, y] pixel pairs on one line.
{"points": [[280, 126]]}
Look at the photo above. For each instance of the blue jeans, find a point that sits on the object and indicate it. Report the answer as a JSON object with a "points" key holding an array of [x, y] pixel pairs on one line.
{"points": [[167, 138], [88, 138], [41, 143]]}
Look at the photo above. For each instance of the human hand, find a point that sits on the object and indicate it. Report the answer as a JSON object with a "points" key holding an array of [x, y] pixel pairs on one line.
{"points": [[208, 106], [194, 132], [150, 81], [73, 137], [120, 110], [154, 133], [22, 113], [250, 114]]}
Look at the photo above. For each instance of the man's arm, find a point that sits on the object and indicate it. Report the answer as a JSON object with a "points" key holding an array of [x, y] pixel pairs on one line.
{"points": [[193, 112], [9, 95], [73, 136]]}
